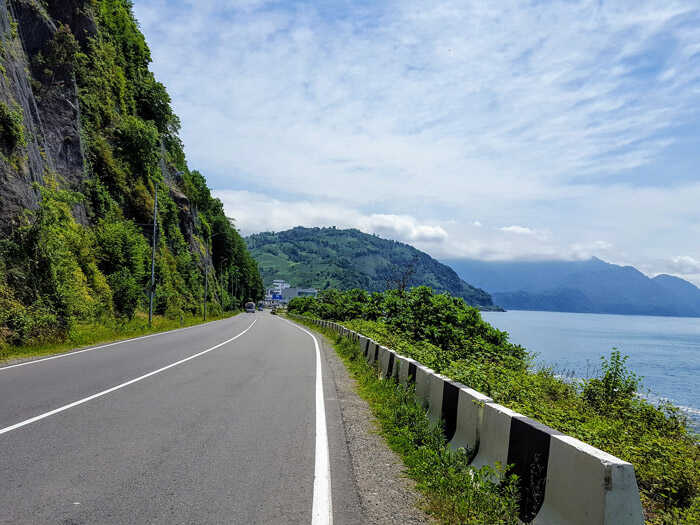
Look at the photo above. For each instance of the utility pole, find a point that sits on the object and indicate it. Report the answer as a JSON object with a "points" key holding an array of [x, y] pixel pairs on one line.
{"points": [[153, 258], [206, 281]]}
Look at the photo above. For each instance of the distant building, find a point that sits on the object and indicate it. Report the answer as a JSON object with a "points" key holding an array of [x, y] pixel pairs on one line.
{"points": [[281, 292], [278, 285], [274, 293], [290, 293]]}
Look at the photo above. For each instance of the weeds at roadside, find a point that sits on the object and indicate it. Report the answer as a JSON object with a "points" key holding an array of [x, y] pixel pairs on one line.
{"points": [[87, 334], [601, 411], [454, 492]]}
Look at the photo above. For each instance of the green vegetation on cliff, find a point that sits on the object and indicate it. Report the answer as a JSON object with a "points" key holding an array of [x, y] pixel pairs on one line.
{"points": [[451, 338], [83, 253], [345, 259]]}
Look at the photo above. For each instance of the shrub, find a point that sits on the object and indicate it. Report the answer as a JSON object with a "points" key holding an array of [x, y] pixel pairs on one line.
{"points": [[126, 291], [616, 386], [11, 127]]}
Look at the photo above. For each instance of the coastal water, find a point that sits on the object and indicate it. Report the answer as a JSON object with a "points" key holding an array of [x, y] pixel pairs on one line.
{"points": [[664, 350]]}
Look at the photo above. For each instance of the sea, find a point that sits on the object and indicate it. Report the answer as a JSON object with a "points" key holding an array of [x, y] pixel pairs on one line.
{"points": [[664, 351]]}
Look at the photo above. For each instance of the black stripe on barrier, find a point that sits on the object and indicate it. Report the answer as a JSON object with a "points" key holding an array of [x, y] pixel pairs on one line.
{"points": [[366, 347], [411, 373], [448, 414], [390, 366], [528, 452], [376, 352]]}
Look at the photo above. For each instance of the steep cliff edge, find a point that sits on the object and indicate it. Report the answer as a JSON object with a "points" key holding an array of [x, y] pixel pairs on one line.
{"points": [[87, 137]]}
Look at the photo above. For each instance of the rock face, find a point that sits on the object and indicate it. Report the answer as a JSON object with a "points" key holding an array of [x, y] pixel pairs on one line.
{"points": [[49, 107], [25, 164], [80, 110]]}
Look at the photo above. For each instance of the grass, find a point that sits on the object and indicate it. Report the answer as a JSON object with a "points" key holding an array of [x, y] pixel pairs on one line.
{"points": [[454, 492], [88, 334], [654, 438]]}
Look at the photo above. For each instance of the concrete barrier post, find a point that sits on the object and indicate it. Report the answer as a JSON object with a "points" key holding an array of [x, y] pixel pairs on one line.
{"points": [[382, 352], [470, 415], [495, 432], [443, 399], [586, 485], [387, 360], [406, 370], [373, 353], [423, 381]]}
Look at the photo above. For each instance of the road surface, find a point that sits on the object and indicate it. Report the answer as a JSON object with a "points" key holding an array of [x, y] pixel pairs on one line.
{"points": [[217, 423]]}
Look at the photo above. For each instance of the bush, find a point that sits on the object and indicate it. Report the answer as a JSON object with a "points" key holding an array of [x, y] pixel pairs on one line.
{"points": [[440, 319], [11, 127], [615, 387], [126, 291]]}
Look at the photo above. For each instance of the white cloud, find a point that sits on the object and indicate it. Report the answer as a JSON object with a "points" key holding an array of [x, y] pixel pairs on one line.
{"points": [[401, 227], [257, 212], [587, 250], [684, 264], [374, 114], [519, 230]]}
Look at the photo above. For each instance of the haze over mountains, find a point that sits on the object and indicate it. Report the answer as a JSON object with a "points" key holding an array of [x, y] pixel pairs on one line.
{"points": [[590, 286], [345, 259]]}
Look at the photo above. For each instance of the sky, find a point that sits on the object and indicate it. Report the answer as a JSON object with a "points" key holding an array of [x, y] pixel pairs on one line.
{"points": [[509, 130]]}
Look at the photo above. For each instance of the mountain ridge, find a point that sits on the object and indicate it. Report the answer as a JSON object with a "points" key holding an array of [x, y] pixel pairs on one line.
{"points": [[588, 286]]}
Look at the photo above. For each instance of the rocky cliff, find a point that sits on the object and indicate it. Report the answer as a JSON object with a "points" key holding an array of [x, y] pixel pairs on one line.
{"points": [[86, 129]]}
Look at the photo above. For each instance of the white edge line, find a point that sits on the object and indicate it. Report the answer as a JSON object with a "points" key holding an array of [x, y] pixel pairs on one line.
{"points": [[109, 390], [76, 352], [322, 509]]}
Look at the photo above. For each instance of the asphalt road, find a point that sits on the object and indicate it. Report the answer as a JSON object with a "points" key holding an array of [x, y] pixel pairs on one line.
{"points": [[216, 423]]}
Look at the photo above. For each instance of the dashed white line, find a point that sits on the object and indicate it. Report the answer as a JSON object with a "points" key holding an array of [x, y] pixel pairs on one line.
{"points": [[110, 390], [322, 507]]}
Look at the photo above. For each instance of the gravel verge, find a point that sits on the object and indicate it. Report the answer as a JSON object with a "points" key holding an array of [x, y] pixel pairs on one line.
{"points": [[386, 494]]}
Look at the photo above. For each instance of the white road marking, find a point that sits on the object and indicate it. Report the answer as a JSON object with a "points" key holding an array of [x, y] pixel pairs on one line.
{"points": [[322, 509], [118, 387], [70, 354]]}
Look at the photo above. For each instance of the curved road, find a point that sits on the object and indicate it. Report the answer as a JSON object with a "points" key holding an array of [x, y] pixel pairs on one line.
{"points": [[218, 423]]}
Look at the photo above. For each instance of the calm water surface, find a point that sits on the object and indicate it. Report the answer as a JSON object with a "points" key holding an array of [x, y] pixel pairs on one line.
{"points": [[664, 350]]}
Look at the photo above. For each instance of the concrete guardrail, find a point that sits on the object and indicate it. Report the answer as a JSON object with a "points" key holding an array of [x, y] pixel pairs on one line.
{"points": [[563, 480]]}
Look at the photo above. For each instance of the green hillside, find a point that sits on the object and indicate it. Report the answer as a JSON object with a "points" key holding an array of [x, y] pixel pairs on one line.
{"points": [[345, 259], [88, 139]]}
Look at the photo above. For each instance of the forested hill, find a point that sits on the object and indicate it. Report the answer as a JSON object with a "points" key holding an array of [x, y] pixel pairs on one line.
{"points": [[87, 138], [345, 259]]}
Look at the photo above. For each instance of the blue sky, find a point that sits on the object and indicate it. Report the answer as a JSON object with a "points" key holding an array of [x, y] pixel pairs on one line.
{"points": [[490, 130]]}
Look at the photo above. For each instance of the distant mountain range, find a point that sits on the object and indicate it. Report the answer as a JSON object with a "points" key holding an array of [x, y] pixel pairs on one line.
{"points": [[592, 286], [344, 259]]}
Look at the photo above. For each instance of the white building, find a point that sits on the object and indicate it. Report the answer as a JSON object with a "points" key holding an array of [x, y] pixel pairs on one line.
{"points": [[278, 285]]}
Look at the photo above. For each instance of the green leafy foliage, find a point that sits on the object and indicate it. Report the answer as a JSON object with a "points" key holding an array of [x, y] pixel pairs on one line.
{"points": [[51, 262], [57, 61], [11, 128], [437, 318], [604, 411], [615, 387]]}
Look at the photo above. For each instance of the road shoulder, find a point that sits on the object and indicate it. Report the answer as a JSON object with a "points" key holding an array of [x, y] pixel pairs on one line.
{"points": [[386, 495]]}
